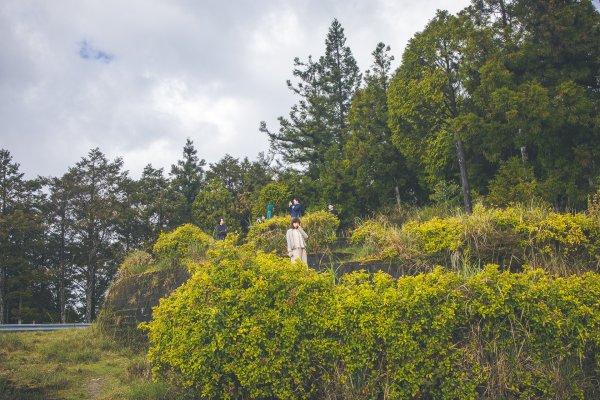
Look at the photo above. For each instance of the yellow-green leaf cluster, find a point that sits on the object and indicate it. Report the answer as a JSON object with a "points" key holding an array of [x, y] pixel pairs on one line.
{"points": [[186, 241], [513, 237], [254, 325], [320, 226]]}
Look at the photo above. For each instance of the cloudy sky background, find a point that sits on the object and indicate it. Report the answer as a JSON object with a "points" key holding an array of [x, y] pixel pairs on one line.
{"points": [[137, 78]]}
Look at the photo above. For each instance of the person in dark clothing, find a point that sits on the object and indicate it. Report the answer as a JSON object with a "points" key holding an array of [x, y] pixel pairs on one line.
{"points": [[332, 210], [221, 230], [295, 208]]}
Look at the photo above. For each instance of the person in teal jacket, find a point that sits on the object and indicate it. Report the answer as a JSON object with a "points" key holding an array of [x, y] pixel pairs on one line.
{"points": [[270, 209]]}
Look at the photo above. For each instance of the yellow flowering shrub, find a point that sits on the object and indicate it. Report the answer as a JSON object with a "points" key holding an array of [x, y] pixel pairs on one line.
{"points": [[320, 226], [512, 237], [254, 325], [186, 241], [437, 234], [270, 235]]}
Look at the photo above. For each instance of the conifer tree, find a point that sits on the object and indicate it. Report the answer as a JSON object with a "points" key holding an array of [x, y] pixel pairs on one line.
{"points": [[317, 127], [187, 177]]}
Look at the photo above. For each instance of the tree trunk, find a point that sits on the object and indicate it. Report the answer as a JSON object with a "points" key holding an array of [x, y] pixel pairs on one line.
{"points": [[462, 164], [61, 294], [90, 287], [2, 294], [397, 193]]}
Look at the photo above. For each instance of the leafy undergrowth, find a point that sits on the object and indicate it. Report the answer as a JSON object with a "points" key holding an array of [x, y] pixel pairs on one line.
{"points": [[73, 364]]}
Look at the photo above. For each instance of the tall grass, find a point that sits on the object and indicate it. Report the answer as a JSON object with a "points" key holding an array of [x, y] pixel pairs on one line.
{"points": [[74, 364], [515, 238]]}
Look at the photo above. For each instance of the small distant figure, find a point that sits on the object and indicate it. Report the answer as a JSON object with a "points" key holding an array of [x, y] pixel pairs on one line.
{"points": [[296, 237], [261, 219], [332, 210], [295, 208], [270, 210], [221, 230]]}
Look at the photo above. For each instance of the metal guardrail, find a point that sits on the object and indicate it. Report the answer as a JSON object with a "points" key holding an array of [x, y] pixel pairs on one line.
{"points": [[40, 327]]}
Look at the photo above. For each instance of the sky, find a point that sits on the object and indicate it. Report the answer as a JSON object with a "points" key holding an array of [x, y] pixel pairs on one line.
{"points": [[137, 78]]}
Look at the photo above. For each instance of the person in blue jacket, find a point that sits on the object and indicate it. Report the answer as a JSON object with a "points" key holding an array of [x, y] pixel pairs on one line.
{"points": [[221, 230], [295, 208], [270, 209]]}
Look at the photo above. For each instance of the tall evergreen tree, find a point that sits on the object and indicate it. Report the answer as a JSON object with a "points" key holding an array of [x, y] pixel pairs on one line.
{"points": [[158, 203], [60, 241], [318, 125], [21, 235], [536, 91], [187, 177], [376, 168], [427, 100], [98, 199]]}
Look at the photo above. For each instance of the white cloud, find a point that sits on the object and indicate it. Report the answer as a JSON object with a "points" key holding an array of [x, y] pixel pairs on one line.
{"points": [[137, 78]]}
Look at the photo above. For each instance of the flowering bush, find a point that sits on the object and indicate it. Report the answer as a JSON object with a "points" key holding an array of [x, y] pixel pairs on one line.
{"points": [[254, 325], [186, 241], [320, 227], [512, 237]]}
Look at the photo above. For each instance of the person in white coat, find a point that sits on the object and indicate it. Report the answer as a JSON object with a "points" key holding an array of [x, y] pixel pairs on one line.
{"points": [[296, 241]]}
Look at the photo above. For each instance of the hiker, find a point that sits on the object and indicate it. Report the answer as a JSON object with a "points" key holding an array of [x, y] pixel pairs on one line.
{"points": [[295, 208], [332, 210], [221, 230], [296, 245], [270, 209]]}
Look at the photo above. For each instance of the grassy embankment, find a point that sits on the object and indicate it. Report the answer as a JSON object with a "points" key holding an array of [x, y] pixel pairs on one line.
{"points": [[73, 364]]}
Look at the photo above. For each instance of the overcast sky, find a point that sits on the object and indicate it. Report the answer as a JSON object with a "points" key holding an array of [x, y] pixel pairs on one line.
{"points": [[136, 78]]}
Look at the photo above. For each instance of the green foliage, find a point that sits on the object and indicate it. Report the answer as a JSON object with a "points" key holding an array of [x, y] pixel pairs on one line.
{"points": [[317, 127], [320, 226], [274, 193], [270, 235], [74, 364], [513, 237], [437, 234], [186, 241], [135, 263], [514, 182], [253, 325], [245, 325], [187, 178], [213, 202], [536, 336], [446, 194]]}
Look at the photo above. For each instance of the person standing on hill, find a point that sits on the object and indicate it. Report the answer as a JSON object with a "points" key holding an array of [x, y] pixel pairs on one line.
{"points": [[270, 209], [295, 208], [332, 210], [296, 245], [221, 230]]}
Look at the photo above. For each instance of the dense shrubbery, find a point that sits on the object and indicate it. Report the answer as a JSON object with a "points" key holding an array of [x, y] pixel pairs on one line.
{"points": [[250, 325], [320, 226], [186, 241], [514, 237]]}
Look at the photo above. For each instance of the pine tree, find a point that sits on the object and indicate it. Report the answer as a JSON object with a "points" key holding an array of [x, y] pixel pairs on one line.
{"points": [[317, 127], [187, 177], [21, 236], [376, 169], [97, 201]]}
